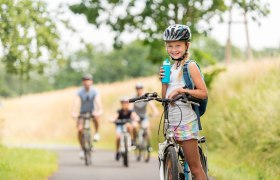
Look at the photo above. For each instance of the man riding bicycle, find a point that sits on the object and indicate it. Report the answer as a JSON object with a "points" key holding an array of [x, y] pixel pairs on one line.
{"points": [[87, 100], [141, 108]]}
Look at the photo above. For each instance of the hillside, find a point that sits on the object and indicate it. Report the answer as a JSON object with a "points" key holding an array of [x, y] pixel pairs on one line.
{"points": [[45, 117]]}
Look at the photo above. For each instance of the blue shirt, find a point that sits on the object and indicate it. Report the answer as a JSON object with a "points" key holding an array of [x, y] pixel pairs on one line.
{"points": [[87, 99]]}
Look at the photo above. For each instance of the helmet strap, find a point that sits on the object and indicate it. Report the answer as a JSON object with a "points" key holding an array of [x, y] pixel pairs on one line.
{"points": [[181, 58]]}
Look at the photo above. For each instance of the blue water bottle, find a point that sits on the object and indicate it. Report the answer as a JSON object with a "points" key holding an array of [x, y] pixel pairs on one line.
{"points": [[166, 67]]}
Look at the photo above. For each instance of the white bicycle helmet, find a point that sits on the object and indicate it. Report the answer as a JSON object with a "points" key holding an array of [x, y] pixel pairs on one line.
{"points": [[177, 32]]}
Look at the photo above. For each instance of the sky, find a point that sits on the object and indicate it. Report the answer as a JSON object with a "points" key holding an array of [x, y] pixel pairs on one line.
{"points": [[266, 35]]}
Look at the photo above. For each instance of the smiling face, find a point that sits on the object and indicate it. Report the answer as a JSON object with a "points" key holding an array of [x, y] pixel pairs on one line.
{"points": [[176, 49]]}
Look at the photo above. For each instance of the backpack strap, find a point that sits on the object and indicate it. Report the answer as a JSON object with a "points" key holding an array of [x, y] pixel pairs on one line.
{"points": [[187, 78]]}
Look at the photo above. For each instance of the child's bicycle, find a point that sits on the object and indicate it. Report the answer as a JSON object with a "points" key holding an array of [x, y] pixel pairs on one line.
{"points": [[125, 140], [171, 157]]}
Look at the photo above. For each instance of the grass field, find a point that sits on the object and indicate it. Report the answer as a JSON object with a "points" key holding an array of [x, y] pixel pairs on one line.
{"points": [[45, 118], [241, 124], [26, 164]]}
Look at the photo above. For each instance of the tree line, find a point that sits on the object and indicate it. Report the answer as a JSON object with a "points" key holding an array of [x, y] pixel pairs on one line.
{"points": [[31, 59]]}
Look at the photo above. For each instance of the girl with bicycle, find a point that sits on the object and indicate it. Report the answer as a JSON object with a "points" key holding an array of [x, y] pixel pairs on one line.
{"points": [[177, 41]]}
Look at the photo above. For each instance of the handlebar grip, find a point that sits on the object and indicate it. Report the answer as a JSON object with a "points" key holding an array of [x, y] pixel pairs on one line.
{"points": [[145, 96], [134, 99], [178, 97], [191, 98]]}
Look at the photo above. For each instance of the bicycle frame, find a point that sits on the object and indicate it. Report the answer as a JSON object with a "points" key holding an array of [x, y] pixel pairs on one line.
{"points": [[87, 144], [124, 134]]}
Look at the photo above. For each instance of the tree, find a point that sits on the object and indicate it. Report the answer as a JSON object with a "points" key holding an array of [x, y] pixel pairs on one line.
{"points": [[100, 65], [148, 18], [255, 9], [28, 37]]}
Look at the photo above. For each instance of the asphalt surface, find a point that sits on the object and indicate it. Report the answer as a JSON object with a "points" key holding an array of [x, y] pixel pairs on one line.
{"points": [[104, 167]]}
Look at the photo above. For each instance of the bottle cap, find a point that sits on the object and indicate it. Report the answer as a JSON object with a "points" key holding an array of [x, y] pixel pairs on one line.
{"points": [[166, 62]]}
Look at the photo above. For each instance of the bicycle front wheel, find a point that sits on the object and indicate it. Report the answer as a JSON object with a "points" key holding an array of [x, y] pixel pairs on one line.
{"points": [[147, 150], [125, 153], [87, 148], [171, 171]]}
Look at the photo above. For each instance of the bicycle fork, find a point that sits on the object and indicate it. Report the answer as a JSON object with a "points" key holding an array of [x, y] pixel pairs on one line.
{"points": [[161, 158]]}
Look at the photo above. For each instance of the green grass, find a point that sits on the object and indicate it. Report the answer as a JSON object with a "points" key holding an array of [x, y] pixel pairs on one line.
{"points": [[21, 164], [242, 123]]}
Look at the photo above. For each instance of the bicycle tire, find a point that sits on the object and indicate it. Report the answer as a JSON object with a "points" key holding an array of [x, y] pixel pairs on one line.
{"points": [[139, 154], [147, 150], [87, 148], [125, 153], [171, 171], [203, 160], [144, 148]]}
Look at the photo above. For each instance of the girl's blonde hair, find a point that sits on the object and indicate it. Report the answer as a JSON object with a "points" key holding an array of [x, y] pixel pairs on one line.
{"points": [[182, 65]]}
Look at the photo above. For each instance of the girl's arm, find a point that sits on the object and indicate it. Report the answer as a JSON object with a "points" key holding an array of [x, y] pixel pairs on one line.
{"points": [[163, 90], [201, 89]]}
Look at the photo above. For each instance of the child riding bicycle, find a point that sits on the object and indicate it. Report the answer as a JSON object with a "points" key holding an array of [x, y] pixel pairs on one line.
{"points": [[177, 41], [132, 121]]}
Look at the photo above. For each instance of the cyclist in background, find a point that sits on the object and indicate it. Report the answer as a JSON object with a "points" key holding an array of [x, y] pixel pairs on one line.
{"points": [[132, 118], [87, 100], [141, 108]]}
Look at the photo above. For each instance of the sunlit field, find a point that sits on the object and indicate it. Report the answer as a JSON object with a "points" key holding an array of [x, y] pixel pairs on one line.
{"points": [[45, 118]]}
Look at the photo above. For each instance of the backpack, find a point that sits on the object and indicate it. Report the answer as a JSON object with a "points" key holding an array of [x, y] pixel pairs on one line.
{"points": [[199, 110]]}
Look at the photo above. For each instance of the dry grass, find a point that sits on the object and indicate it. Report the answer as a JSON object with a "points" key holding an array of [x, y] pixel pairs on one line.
{"points": [[45, 117]]}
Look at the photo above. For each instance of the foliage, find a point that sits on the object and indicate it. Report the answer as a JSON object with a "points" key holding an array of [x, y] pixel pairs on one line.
{"points": [[18, 163], [256, 8], [128, 62], [11, 85], [148, 18], [267, 52], [28, 37], [242, 130]]}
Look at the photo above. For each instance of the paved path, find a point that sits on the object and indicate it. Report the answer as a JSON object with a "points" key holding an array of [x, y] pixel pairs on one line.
{"points": [[104, 167]]}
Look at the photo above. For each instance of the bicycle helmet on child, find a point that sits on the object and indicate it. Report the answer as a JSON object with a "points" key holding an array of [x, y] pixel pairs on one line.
{"points": [[124, 99], [139, 85], [177, 32]]}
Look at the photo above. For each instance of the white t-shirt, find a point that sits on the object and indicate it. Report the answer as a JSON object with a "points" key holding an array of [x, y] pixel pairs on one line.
{"points": [[174, 112]]}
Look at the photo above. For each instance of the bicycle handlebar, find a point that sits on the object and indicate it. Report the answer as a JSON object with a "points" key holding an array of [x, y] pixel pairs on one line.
{"points": [[122, 121], [145, 96], [154, 96]]}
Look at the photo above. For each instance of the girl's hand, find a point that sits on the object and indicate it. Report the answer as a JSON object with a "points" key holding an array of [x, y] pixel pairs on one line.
{"points": [[175, 93], [161, 73]]}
